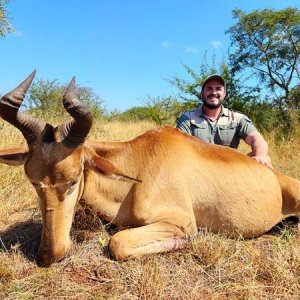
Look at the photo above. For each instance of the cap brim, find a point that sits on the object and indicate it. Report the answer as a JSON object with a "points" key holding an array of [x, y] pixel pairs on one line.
{"points": [[214, 77]]}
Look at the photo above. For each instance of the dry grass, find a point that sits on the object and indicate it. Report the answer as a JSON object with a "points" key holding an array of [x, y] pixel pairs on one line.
{"points": [[212, 267]]}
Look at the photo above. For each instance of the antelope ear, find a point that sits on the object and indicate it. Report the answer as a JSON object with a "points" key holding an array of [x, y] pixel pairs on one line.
{"points": [[106, 168], [14, 157]]}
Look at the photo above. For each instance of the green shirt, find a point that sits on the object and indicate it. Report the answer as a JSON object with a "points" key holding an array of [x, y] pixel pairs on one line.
{"points": [[227, 130]]}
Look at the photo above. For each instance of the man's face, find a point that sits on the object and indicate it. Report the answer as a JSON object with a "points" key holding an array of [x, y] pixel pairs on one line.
{"points": [[213, 94]]}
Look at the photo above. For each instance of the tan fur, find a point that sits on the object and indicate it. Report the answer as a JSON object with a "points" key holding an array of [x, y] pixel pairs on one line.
{"points": [[184, 184]]}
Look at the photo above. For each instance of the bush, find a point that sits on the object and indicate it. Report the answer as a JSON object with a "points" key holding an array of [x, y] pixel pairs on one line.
{"points": [[44, 97], [162, 111]]}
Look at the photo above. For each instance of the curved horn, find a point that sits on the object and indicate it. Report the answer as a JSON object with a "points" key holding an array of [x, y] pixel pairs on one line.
{"points": [[9, 111], [74, 132]]}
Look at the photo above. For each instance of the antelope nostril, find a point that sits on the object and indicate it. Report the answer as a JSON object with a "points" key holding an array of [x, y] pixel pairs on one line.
{"points": [[44, 260], [45, 257], [42, 264]]}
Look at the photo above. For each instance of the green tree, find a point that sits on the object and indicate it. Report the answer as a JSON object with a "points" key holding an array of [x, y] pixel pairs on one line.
{"points": [[165, 110], [266, 46], [295, 96], [5, 26], [45, 96], [134, 114], [157, 109], [190, 89]]}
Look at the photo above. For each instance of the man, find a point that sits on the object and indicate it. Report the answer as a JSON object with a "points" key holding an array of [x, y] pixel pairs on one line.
{"points": [[214, 123]]}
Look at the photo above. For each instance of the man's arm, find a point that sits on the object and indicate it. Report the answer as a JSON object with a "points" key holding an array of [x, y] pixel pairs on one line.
{"points": [[184, 124], [259, 148]]}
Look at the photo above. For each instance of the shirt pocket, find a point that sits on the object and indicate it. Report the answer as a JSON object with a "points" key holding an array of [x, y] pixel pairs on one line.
{"points": [[201, 131], [228, 133]]}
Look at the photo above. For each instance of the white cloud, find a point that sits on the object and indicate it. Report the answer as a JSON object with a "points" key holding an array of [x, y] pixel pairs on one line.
{"points": [[191, 49], [18, 33], [216, 44], [166, 44]]}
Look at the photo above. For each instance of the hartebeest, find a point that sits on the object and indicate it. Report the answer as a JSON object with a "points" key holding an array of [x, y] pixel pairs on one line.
{"points": [[171, 183]]}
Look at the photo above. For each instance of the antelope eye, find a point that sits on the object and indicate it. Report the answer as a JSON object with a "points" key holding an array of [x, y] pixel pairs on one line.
{"points": [[73, 183], [72, 187]]}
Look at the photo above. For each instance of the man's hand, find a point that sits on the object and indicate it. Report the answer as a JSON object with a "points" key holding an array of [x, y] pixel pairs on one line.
{"points": [[264, 160], [259, 148]]}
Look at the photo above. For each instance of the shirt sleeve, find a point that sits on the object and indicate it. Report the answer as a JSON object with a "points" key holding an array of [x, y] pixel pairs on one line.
{"points": [[184, 123], [245, 127]]}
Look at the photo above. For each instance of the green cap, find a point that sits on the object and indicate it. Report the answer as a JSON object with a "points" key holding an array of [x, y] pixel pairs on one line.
{"points": [[214, 77]]}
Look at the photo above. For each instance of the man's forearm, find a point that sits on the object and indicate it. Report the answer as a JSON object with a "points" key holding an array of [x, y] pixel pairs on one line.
{"points": [[259, 148]]}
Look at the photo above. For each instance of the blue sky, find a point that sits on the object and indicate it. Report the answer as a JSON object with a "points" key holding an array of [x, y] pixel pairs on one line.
{"points": [[123, 50]]}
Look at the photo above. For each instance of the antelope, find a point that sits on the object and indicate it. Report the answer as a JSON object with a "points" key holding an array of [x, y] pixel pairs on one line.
{"points": [[158, 188]]}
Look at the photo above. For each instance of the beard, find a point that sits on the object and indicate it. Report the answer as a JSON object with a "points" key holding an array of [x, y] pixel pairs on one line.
{"points": [[212, 105]]}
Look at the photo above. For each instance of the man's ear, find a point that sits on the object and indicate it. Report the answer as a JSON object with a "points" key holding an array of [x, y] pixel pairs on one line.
{"points": [[14, 157], [105, 167]]}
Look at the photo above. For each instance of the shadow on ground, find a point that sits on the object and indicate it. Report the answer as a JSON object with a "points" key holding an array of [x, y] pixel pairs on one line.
{"points": [[290, 223], [25, 236]]}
